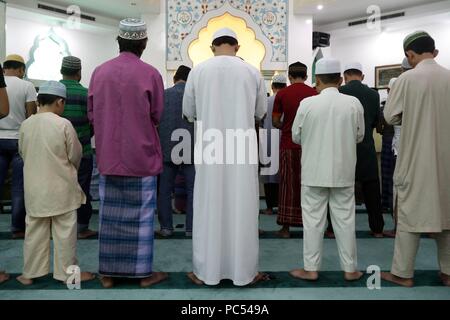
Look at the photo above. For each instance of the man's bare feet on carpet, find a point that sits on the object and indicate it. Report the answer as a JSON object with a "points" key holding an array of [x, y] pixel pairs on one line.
{"points": [[194, 279], [390, 233], [445, 279], [387, 276], [260, 277], [155, 278], [3, 276], [24, 281], [353, 276], [377, 235], [107, 282], [330, 234], [87, 234], [268, 212], [18, 235], [305, 275], [284, 233]]}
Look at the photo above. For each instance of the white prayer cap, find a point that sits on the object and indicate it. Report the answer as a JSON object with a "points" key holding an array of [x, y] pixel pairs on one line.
{"points": [[405, 64], [133, 29], [54, 88], [279, 78], [354, 66], [328, 66], [391, 82], [224, 32]]}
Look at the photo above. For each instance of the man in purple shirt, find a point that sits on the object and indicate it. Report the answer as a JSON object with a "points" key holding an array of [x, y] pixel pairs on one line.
{"points": [[126, 98]]}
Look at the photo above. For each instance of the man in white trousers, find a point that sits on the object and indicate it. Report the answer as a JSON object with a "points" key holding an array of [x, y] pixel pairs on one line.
{"points": [[328, 127]]}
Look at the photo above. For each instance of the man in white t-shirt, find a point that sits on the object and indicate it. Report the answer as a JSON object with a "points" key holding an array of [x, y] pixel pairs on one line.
{"points": [[22, 100]]}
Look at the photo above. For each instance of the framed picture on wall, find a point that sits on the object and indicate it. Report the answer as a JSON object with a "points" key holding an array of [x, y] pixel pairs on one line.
{"points": [[384, 74]]}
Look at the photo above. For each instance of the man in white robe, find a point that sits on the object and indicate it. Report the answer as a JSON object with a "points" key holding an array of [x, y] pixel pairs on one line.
{"points": [[419, 102], [224, 94], [328, 127]]}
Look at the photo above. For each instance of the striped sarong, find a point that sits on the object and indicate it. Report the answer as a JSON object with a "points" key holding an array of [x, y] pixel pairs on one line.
{"points": [[289, 205], [127, 209], [387, 173]]}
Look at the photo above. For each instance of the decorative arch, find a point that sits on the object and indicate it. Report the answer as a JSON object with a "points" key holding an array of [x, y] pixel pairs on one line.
{"points": [[268, 63], [252, 50], [46, 56]]}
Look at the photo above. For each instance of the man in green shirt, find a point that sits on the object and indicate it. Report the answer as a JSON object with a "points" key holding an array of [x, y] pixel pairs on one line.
{"points": [[76, 112]]}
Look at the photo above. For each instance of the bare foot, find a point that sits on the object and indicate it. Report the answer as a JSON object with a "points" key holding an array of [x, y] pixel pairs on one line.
{"points": [[155, 278], [387, 276], [305, 275], [3, 276], [330, 234], [445, 279], [390, 233], [87, 234], [284, 233], [377, 235], [194, 279], [24, 281], [18, 235], [107, 282], [353, 276], [260, 277], [87, 276], [268, 212]]}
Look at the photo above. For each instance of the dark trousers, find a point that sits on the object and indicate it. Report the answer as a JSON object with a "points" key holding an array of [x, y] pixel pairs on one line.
{"points": [[271, 192], [166, 188], [372, 200], [9, 155], [84, 179]]}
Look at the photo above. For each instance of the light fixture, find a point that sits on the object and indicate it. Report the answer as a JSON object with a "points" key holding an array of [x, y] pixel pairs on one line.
{"points": [[320, 7], [309, 21]]}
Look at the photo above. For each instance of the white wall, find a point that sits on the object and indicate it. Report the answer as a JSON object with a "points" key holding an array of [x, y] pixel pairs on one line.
{"points": [[155, 54], [387, 47], [300, 39], [93, 48]]}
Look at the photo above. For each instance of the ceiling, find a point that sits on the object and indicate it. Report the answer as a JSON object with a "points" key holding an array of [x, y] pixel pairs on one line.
{"points": [[340, 10], [333, 11]]}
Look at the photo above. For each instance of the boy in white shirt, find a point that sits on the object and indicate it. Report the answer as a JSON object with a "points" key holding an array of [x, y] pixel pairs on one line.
{"points": [[52, 153], [328, 127]]}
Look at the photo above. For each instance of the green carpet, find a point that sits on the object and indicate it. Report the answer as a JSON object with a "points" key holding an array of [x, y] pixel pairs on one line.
{"points": [[179, 235], [280, 280]]}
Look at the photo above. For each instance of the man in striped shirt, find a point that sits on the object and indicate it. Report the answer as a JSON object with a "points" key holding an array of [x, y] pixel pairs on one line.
{"points": [[76, 112]]}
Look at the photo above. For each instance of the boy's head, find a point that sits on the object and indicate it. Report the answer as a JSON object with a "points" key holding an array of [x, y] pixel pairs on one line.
{"points": [[298, 71], [353, 71], [328, 74], [14, 65], [52, 97]]}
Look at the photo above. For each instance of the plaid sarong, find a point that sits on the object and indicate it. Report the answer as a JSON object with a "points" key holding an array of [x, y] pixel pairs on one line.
{"points": [[387, 173], [127, 208], [289, 205]]}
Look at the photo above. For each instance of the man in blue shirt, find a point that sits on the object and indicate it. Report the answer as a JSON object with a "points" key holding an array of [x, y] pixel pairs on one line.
{"points": [[172, 119]]}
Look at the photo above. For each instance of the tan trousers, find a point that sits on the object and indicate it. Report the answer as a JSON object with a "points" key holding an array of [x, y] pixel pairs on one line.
{"points": [[314, 210], [406, 246], [36, 249]]}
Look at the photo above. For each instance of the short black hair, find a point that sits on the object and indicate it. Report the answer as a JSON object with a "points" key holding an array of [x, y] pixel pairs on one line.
{"points": [[225, 40], [182, 73], [69, 72], [47, 99], [278, 86], [353, 72], [332, 78], [134, 46], [422, 45], [298, 70], [14, 65]]}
